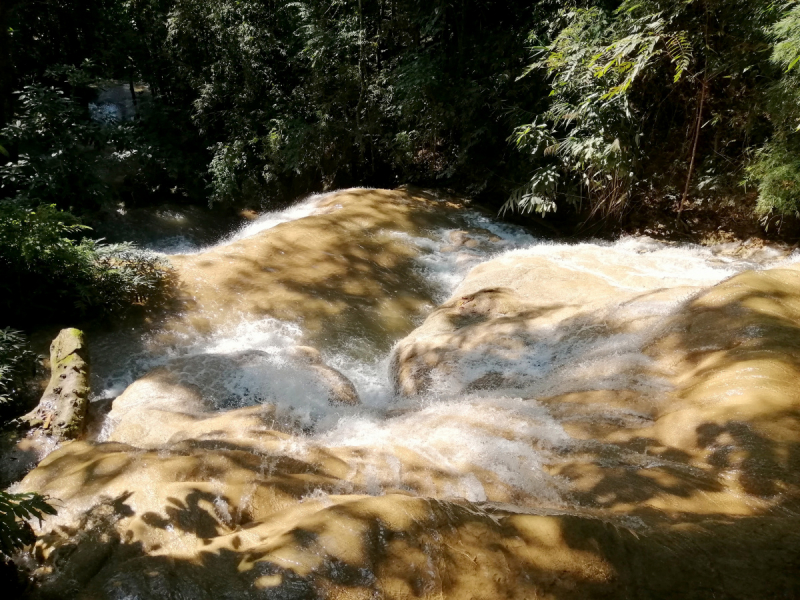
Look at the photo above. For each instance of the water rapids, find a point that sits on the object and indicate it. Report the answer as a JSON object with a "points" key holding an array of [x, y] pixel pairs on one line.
{"points": [[384, 394]]}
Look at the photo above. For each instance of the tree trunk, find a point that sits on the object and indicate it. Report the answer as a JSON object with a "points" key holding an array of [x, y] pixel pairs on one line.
{"points": [[380, 37], [693, 158], [133, 95], [699, 124]]}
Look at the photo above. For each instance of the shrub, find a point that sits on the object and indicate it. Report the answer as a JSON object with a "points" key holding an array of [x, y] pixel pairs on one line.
{"points": [[776, 168], [52, 151], [50, 275], [16, 364], [777, 171], [16, 367]]}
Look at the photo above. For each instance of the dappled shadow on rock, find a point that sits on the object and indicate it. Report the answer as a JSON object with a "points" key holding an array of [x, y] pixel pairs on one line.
{"points": [[404, 547], [346, 272], [733, 358], [678, 414], [349, 275], [586, 433]]}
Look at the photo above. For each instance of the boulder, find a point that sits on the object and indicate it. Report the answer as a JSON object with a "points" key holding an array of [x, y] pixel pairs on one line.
{"points": [[189, 395], [529, 316], [350, 265], [62, 410], [340, 389], [457, 327]]}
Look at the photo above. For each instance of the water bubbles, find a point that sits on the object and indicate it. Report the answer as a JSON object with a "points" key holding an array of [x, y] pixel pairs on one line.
{"points": [[458, 439]]}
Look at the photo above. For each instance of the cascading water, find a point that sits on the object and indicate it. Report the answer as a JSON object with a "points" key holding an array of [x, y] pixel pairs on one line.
{"points": [[537, 388]]}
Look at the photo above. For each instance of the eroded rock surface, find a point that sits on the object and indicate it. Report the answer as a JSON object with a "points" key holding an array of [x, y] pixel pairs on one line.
{"points": [[579, 421], [347, 269], [340, 389], [711, 403], [62, 409], [211, 520], [508, 308]]}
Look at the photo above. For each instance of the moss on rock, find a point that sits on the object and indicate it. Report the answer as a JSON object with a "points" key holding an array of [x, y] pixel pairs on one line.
{"points": [[62, 410]]}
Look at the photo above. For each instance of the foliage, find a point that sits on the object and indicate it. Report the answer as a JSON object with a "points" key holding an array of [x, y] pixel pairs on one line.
{"points": [[59, 161], [776, 168], [777, 171], [607, 102], [588, 137], [55, 151], [58, 154], [50, 275], [316, 93], [649, 97], [15, 510], [16, 365]]}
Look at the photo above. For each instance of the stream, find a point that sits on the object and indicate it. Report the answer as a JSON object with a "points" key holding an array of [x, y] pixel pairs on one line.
{"points": [[386, 394]]}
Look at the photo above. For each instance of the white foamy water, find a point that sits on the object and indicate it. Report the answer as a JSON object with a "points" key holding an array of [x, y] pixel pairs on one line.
{"points": [[179, 244], [304, 208], [642, 264], [442, 271], [506, 433], [457, 437]]}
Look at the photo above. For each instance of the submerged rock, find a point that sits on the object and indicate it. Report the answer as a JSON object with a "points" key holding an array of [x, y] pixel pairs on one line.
{"points": [[62, 410], [458, 327], [348, 267], [340, 389], [705, 388], [181, 400]]}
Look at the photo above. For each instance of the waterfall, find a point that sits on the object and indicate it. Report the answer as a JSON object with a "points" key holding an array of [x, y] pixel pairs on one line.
{"points": [[498, 377]]}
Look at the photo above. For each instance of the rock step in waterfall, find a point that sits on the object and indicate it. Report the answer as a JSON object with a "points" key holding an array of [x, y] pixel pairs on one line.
{"points": [[395, 397]]}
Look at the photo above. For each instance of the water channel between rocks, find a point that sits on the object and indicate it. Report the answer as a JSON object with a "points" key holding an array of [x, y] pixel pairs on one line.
{"points": [[382, 394]]}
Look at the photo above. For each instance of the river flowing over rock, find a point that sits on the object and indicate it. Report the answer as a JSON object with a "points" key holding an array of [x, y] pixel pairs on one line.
{"points": [[382, 394]]}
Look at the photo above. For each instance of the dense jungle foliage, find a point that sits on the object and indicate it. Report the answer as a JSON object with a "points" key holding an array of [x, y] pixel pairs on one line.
{"points": [[551, 103], [596, 104]]}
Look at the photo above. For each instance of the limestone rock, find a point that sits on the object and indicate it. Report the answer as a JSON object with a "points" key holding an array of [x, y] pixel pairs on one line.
{"points": [[188, 397], [62, 410], [340, 389], [208, 521], [459, 327], [517, 306], [690, 491], [460, 239], [343, 268]]}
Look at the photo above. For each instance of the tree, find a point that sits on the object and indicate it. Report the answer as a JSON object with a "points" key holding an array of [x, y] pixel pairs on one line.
{"points": [[776, 168], [645, 96]]}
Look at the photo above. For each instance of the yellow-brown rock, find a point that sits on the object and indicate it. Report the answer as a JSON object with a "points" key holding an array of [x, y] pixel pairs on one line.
{"points": [[569, 425], [347, 269]]}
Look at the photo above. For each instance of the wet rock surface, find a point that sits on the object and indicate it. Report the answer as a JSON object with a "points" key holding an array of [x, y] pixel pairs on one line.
{"points": [[584, 421]]}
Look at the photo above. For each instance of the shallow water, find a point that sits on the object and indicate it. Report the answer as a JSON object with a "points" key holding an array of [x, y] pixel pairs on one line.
{"points": [[510, 434], [538, 386], [121, 357]]}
